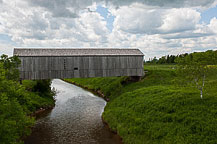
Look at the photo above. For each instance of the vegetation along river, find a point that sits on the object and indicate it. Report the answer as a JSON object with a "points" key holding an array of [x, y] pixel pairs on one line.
{"points": [[76, 118]]}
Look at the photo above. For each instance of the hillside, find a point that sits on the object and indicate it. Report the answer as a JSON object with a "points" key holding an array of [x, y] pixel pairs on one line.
{"points": [[161, 108]]}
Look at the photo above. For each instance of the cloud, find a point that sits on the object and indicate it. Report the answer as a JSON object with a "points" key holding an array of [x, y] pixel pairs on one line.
{"points": [[6, 49], [134, 27], [213, 25], [166, 3], [71, 8], [185, 35], [62, 8], [136, 19], [177, 20], [150, 25], [38, 27]]}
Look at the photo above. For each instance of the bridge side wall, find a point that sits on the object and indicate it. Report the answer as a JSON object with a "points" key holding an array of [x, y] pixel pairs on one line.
{"points": [[80, 67]]}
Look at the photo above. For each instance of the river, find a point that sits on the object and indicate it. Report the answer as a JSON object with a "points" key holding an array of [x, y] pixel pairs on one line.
{"points": [[75, 119]]}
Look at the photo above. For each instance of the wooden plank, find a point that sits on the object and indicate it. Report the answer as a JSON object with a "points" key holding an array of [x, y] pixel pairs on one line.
{"points": [[81, 64], [123, 61], [86, 66], [76, 74], [104, 62], [76, 62], [91, 73], [132, 62], [140, 72], [110, 63]]}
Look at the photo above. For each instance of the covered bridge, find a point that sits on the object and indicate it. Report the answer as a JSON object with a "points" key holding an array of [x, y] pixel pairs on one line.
{"points": [[38, 63]]}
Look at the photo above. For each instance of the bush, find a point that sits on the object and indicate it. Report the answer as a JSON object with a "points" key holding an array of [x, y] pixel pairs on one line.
{"points": [[17, 101]]}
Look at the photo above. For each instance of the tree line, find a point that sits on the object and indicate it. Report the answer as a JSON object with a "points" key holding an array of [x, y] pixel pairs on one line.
{"points": [[193, 67], [196, 67], [172, 59]]}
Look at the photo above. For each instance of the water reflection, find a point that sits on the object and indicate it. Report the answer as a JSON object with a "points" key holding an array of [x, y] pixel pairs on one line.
{"points": [[76, 118]]}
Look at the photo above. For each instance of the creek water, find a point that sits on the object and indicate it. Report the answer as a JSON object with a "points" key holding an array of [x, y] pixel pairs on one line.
{"points": [[75, 119]]}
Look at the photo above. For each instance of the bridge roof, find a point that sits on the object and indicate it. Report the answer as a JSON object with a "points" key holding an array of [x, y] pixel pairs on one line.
{"points": [[77, 52]]}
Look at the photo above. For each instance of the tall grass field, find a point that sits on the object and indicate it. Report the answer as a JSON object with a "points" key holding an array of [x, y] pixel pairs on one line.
{"points": [[161, 108]]}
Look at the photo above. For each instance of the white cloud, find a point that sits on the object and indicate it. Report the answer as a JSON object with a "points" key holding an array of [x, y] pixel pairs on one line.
{"points": [[138, 20], [6, 49], [71, 8], [179, 20], [166, 3], [134, 19], [213, 25], [160, 32], [150, 25], [37, 27], [174, 31], [93, 26]]}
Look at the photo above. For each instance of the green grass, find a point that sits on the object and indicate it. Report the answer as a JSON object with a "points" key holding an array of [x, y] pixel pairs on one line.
{"points": [[17, 103], [36, 100], [160, 108]]}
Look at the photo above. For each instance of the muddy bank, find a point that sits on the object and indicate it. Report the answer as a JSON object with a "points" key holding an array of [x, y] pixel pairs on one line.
{"points": [[97, 92]]}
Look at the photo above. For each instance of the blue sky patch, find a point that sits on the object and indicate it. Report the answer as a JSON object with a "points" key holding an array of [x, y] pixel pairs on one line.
{"points": [[207, 15], [6, 39], [109, 18]]}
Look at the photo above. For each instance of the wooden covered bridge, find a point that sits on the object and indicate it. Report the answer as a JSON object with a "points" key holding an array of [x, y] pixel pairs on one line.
{"points": [[38, 63]]}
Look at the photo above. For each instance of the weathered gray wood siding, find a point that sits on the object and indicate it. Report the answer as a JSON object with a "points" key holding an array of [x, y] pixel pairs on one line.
{"points": [[80, 66]]}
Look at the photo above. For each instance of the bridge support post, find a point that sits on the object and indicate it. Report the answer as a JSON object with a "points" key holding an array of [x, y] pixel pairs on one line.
{"points": [[20, 80], [135, 78]]}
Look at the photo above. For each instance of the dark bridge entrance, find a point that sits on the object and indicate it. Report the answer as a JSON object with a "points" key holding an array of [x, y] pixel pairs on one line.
{"points": [[79, 63]]}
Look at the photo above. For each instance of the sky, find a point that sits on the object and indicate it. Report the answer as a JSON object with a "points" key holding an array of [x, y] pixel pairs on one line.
{"points": [[156, 27]]}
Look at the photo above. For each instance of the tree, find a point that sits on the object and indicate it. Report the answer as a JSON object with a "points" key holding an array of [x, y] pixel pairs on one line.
{"points": [[14, 123], [168, 59], [16, 101], [195, 68], [162, 60], [11, 64]]}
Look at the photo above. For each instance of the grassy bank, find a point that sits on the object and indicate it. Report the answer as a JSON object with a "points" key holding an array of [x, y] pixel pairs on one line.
{"points": [[17, 103], [40, 95], [161, 108]]}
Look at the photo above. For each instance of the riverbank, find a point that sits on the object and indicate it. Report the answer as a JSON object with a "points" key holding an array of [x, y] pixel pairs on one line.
{"points": [[76, 118], [43, 97], [19, 105], [100, 94], [94, 91], [158, 109], [18, 101]]}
